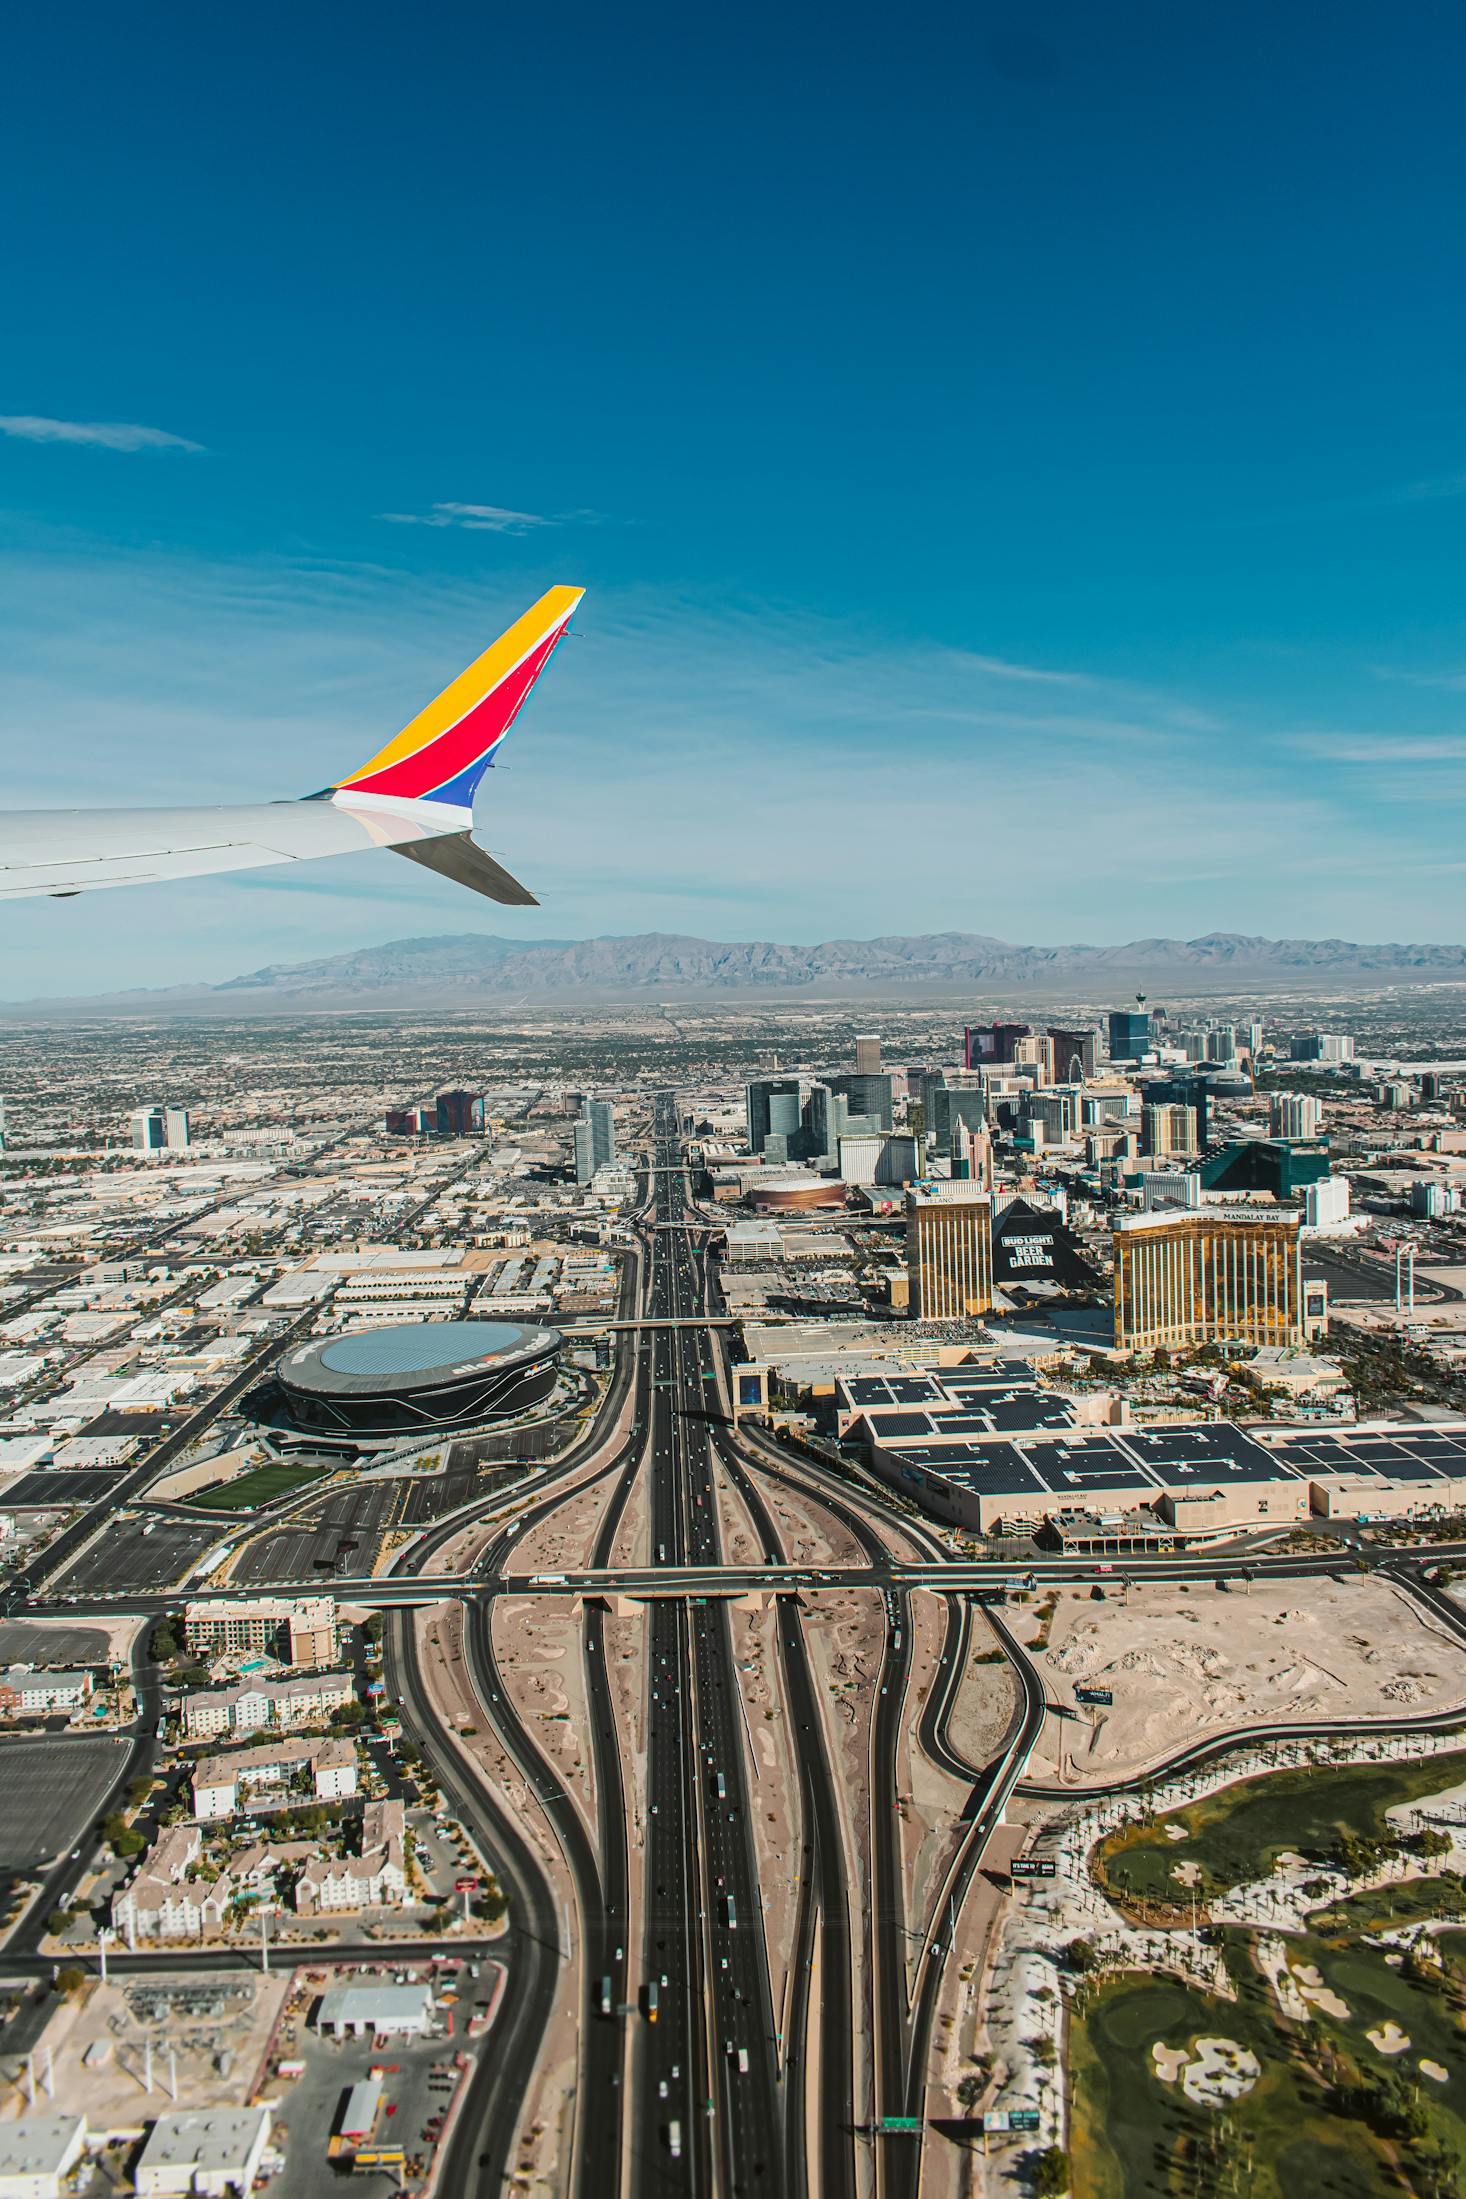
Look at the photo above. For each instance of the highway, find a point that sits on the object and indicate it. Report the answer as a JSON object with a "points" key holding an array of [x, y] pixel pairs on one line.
{"points": [[901, 2162], [709, 2064], [822, 1936], [480, 2155], [691, 1581]]}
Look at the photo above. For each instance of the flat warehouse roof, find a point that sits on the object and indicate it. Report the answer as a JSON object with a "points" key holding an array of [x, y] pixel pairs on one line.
{"points": [[1016, 1410], [371, 2003], [1064, 1473], [1219, 1469], [892, 1389], [213, 2139], [1417, 1470], [892, 1425], [37, 2145], [997, 1469], [964, 1382], [1210, 1440]]}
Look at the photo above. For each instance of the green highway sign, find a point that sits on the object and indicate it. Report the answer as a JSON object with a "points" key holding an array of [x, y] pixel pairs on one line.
{"points": [[900, 2123]]}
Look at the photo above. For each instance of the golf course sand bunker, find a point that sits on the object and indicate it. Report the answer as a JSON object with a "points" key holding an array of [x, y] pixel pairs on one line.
{"points": [[1436, 2072], [1388, 2038], [1222, 2071], [1319, 1995], [1212, 2072], [1184, 1664]]}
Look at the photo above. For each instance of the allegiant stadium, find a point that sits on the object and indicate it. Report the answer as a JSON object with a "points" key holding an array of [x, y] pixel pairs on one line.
{"points": [[417, 1379]]}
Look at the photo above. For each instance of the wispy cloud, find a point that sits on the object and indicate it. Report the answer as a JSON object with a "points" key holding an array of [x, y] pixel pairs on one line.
{"points": [[1002, 668], [472, 518], [1454, 681], [1437, 490], [1383, 748], [30, 427], [1394, 496]]}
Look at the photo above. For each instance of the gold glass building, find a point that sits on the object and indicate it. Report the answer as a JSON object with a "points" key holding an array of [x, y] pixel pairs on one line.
{"points": [[949, 1251], [1207, 1276], [1169, 1131]]}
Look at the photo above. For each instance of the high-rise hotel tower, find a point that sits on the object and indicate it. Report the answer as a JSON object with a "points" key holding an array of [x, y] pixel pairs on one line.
{"points": [[949, 1250], [1206, 1276]]}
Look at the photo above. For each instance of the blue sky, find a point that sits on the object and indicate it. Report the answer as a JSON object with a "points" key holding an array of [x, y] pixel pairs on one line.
{"points": [[1017, 458]]}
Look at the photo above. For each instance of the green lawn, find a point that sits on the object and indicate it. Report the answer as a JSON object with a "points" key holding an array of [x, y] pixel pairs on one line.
{"points": [[1387, 1906], [1135, 2137], [1239, 1833], [260, 1486]]}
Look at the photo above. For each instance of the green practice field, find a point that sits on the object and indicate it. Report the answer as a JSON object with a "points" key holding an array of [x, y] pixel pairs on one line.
{"points": [[1238, 1834], [260, 1486]]}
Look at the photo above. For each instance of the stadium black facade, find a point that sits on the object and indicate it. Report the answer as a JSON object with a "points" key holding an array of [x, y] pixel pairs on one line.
{"points": [[416, 1380]]}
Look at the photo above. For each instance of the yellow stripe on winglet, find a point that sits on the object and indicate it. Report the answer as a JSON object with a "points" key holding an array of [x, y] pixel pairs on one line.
{"points": [[470, 687]]}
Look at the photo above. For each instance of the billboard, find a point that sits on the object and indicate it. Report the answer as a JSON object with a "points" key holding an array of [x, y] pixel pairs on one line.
{"points": [[1033, 1244]]}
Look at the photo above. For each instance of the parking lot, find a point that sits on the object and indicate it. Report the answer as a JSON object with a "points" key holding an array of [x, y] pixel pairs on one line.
{"points": [[49, 1792], [435, 1494], [419, 2078], [341, 1535], [21, 1643], [127, 1556], [49, 1487]]}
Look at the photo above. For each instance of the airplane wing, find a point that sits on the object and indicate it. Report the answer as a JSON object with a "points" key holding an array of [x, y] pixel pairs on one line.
{"points": [[414, 796]]}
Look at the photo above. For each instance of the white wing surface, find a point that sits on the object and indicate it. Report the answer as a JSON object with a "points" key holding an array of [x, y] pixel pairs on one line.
{"points": [[415, 796]]}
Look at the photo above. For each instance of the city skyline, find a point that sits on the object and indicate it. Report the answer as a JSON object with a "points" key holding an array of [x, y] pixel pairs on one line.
{"points": [[726, 1479]]}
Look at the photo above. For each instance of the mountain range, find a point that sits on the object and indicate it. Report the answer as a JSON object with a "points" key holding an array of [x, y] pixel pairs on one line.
{"points": [[458, 968]]}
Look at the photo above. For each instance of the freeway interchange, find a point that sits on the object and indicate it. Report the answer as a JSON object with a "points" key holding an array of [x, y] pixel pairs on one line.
{"points": [[712, 2049]]}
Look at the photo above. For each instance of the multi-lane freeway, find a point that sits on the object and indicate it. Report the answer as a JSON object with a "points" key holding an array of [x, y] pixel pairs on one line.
{"points": [[708, 2071]]}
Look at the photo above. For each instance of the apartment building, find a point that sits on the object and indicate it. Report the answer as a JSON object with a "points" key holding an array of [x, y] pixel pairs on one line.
{"points": [[26, 1693], [222, 1784], [297, 1630], [374, 1879], [259, 1705]]}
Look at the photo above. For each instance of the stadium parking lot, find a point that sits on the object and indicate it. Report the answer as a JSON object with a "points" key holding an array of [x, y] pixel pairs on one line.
{"points": [[49, 1487], [138, 1554]]}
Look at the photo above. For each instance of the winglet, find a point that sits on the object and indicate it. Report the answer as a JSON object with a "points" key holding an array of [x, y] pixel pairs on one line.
{"points": [[444, 752]]}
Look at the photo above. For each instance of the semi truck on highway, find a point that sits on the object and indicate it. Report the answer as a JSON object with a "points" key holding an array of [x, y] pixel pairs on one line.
{"points": [[651, 2000], [674, 2140]]}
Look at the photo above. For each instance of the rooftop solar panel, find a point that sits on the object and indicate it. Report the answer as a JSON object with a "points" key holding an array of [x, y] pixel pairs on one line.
{"points": [[1065, 1475], [889, 1423]]}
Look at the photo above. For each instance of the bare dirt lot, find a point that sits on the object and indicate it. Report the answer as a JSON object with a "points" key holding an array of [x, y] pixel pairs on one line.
{"points": [[845, 1631], [985, 1701], [1183, 1663], [537, 1640], [210, 2044]]}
